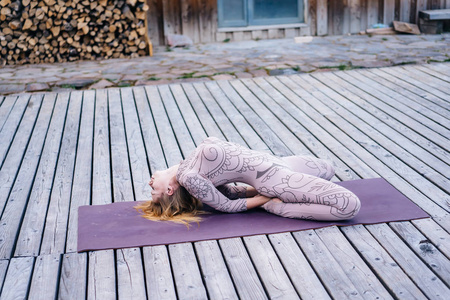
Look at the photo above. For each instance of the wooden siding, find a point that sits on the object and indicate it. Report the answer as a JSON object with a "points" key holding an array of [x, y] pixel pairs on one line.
{"points": [[198, 18]]}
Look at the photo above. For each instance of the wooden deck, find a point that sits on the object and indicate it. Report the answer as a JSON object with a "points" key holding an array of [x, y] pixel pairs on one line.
{"points": [[60, 151]]}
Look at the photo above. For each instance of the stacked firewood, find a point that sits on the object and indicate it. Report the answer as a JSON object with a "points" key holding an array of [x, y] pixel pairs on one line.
{"points": [[67, 30]]}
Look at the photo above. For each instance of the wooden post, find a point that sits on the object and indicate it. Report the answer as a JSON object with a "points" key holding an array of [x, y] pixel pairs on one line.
{"points": [[405, 10], [322, 17], [389, 12], [421, 5], [372, 12]]}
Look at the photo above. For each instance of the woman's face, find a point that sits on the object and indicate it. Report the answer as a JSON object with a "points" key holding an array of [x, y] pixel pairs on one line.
{"points": [[159, 183]]}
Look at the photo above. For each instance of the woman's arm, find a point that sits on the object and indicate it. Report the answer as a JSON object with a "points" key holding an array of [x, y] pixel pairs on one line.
{"points": [[204, 190], [256, 201], [237, 191]]}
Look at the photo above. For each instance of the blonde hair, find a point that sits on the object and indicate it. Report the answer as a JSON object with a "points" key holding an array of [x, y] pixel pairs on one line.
{"points": [[180, 207]]}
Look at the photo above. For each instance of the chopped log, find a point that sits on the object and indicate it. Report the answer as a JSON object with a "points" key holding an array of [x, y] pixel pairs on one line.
{"points": [[33, 31]]}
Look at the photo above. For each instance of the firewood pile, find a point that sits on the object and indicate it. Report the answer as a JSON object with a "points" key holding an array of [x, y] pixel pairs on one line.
{"points": [[67, 30]]}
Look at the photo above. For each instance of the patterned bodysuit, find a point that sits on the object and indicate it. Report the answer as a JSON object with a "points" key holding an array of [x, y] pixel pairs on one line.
{"points": [[300, 182]]}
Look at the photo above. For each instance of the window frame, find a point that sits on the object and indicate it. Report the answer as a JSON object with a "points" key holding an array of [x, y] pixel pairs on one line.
{"points": [[251, 22]]}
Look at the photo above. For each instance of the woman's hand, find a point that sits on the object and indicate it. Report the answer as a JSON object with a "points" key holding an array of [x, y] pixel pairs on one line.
{"points": [[256, 201]]}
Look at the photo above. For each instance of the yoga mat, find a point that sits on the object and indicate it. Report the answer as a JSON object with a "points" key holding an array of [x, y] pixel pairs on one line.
{"points": [[119, 225]]}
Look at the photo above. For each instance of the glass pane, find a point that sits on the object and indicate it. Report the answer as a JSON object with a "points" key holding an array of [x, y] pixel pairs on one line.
{"points": [[275, 9], [233, 10]]}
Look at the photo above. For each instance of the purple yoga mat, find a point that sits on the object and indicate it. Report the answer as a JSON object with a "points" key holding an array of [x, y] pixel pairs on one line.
{"points": [[119, 225]]}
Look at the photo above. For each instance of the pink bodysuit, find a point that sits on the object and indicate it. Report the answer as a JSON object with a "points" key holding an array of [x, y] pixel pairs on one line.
{"points": [[300, 182]]}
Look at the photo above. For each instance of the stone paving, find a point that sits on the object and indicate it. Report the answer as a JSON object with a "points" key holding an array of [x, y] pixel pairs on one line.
{"points": [[218, 61]]}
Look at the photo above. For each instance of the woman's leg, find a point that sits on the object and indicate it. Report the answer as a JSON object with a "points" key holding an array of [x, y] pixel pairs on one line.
{"points": [[308, 197], [310, 165]]}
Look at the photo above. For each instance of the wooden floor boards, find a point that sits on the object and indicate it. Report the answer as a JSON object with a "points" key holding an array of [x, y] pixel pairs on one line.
{"points": [[61, 151]]}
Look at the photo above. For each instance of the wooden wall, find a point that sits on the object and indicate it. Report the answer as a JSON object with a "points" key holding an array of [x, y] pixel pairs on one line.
{"points": [[198, 18]]}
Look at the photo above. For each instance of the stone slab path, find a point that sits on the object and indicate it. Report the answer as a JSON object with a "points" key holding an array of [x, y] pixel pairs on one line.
{"points": [[217, 61]]}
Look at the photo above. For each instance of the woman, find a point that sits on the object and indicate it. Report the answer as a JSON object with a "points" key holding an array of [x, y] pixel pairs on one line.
{"points": [[293, 187]]}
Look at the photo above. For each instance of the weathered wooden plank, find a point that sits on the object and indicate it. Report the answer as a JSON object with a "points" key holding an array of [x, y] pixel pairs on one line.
{"points": [[136, 149], [356, 13], [3, 268], [181, 132], [398, 283], [354, 267], [336, 17], [101, 164], [187, 277], [207, 121], [192, 122], [301, 274], [420, 5], [438, 82], [54, 239], [190, 19], [154, 17], [388, 12], [386, 150], [425, 279], [311, 10], [120, 167], [373, 106], [326, 267], [349, 143], [163, 127], [275, 280], [360, 116], [424, 248], [188, 281], [439, 237], [219, 117], [372, 13], [14, 208], [405, 11], [73, 279], [17, 278], [310, 127], [423, 105], [158, 274], [153, 148], [439, 102], [207, 20], [441, 69], [214, 271], [259, 117], [210, 268], [130, 274], [241, 269], [415, 121], [258, 124], [101, 275], [58, 207], [172, 17], [394, 98], [12, 162], [6, 106], [303, 142], [235, 117], [44, 283], [30, 234], [101, 266], [430, 71], [419, 83]]}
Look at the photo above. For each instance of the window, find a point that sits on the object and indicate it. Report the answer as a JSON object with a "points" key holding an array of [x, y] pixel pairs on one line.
{"points": [[241, 13]]}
